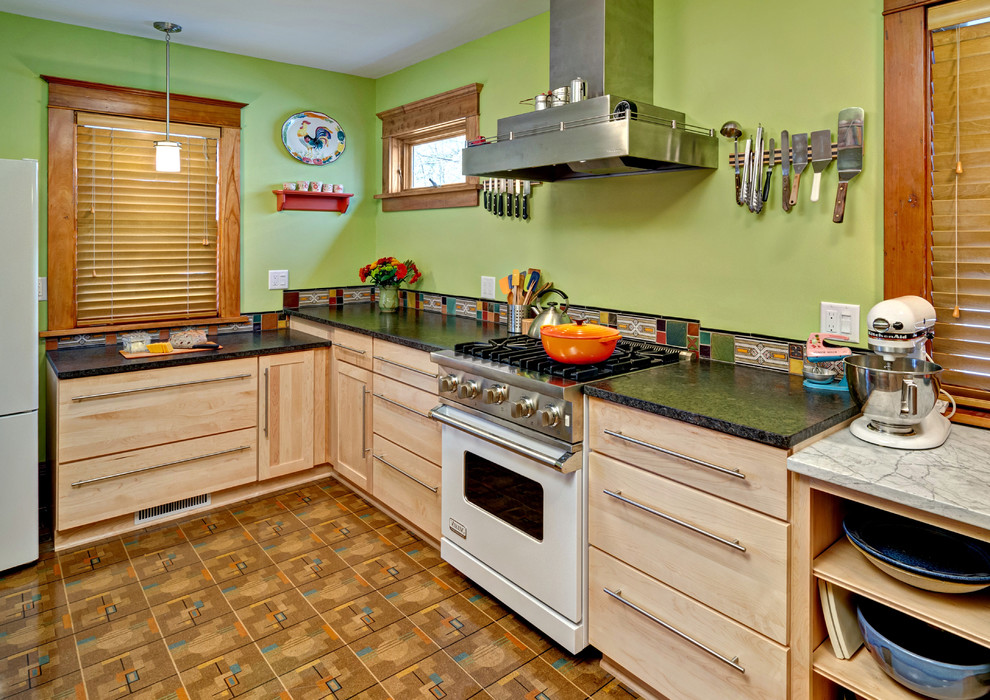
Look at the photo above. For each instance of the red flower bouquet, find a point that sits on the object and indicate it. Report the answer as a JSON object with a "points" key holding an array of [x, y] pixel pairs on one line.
{"points": [[390, 272]]}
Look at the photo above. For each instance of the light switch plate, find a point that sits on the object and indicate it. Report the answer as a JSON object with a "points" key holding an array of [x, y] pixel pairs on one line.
{"points": [[278, 279], [840, 318], [487, 287], [42, 289]]}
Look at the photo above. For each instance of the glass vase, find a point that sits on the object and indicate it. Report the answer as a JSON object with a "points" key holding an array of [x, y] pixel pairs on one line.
{"points": [[388, 299]]}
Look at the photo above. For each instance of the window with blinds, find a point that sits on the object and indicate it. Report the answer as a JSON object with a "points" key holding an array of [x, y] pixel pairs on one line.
{"points": [[146, 244], [960, 191]]}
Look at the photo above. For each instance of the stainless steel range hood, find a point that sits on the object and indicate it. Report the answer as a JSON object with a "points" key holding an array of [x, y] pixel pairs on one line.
{"points": [[616, 131]]}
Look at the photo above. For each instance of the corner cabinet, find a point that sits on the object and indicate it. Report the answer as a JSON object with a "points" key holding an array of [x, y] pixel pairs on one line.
{"points": [[285, 437]]}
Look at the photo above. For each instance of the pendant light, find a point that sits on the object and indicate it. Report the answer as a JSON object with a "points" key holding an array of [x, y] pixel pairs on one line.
{"points": [[167, 152]]}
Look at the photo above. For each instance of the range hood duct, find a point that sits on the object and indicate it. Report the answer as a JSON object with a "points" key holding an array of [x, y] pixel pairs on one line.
{"points": [[616, 131]]}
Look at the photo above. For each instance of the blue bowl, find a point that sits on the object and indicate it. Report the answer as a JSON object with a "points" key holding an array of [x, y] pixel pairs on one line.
{"points": [[926, 659]]}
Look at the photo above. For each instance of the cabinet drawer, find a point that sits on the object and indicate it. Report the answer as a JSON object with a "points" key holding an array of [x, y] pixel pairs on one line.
{"points": [[402, 416], [408, 484], [353, 348], [120, 412], [320, 330], [95, 489], [741, 471], [407, 365], [666, 661], [749, 586]]}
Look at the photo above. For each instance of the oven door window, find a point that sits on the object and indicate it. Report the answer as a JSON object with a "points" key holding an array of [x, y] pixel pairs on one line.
{"points": [[510, 497]]}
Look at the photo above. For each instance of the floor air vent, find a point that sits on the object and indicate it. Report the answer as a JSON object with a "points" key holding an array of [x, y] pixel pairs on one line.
{"points": [[149, 514]]}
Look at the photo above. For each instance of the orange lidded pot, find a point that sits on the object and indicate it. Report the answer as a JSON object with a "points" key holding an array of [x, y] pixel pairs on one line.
{"points": [[579, 344]]}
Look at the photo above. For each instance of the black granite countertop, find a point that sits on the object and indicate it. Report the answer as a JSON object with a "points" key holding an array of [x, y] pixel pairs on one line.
{"points": [[88, 362], [760, 405], [422, 330]]}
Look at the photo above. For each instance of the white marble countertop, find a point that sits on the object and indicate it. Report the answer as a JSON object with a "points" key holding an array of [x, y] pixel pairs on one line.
{"points": [[952, 480]]}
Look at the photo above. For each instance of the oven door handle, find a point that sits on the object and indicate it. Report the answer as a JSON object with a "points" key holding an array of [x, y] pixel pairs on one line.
{"points": [[560, 464]]}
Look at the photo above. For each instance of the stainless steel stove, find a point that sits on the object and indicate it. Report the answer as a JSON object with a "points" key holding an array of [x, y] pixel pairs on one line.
{"points": [[514, 492]]}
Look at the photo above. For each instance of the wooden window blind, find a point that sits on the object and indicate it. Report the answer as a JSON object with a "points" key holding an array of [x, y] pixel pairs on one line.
{"points": [[147, 241], [959, 243]]}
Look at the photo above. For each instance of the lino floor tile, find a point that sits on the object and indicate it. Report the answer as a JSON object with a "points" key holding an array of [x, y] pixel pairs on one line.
{"points": [[305, 569], [144, 672], [267, 616], [355, 550], [164, 560], [535, 679], [92, 557], [264, 507], [338, 675], [100, 643], [374, 518], [197, 646], [291, 545], [423, 554], [484, 602], [375, 692], [435, 676], [90, 584], [272, 528], [231, 566], [233, 672], [362, 616], [583, 670], [525, 633], [302, 497], [160, 589], [321, 511], [35, 630], [451, 576], [67, 687], [107, 606], [298, 645], [490, 654], [333, 488], [208, 524], [257, 586], [190, 610], [399, 535], [140, 543], [37, 666], [338, 528], [30, 576], [354, 503], [419, 591], [222, 542], [388, 568], [30, 601], [450, 620], [336, 589], [398, 646], [615, 691]]}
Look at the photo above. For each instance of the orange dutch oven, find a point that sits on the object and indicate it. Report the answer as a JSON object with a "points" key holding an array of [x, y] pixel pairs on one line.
{"points": [[578, 344]]}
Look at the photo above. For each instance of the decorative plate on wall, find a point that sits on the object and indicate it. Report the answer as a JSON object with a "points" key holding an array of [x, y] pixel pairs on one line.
{"points": [[313, 138]]}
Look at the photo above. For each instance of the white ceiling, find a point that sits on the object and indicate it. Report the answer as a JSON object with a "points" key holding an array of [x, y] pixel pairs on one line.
{"points": [[369, 38]]}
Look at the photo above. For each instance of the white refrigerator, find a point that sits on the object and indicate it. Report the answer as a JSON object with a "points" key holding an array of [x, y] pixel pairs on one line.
{"points": [[18, 362]]}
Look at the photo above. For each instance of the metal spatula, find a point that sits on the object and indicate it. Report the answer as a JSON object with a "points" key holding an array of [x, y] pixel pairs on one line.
{"points": [[850, 155], [799, 145], [821, 156]]}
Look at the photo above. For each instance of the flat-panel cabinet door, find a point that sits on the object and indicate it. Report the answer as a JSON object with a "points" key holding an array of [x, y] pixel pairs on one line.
{"points": [[285, 414], [352, 421]]}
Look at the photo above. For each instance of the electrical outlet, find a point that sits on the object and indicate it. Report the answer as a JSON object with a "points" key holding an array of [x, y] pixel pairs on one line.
{"points": [[840, 318], [42, 289], [487, 287], [278, 279]]}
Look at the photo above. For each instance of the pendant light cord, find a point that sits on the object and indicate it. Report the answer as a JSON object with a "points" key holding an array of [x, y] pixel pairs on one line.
{"points": [[959, 170], [168, 63]]}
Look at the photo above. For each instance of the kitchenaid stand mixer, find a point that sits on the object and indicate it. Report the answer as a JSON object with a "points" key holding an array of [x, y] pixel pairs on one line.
{"points": [[898, 386]]}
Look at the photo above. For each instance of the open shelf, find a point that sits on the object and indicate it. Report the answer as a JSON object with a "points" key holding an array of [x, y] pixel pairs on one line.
{"points": [[962, 614], [311, 201], [860, 674]]}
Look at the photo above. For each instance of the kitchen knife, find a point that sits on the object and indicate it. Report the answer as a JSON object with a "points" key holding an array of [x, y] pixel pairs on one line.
{"points": [[799, 145], [785, 170], [850, 155], [766, 183], [515, 198], [821, 156], [744, 193], [755, 198], [527, 188], [501, 197]]}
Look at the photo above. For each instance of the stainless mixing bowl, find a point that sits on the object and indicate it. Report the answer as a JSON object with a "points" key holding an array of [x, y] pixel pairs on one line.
{"points": [[893, 394]]}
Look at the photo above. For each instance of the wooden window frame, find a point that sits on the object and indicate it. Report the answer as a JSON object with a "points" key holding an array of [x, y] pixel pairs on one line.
{"points": [[65, 98], [907, 170], [449, 114]]}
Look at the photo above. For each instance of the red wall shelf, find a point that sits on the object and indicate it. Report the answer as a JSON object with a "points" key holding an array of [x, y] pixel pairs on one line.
{"points": [[311, 201]]}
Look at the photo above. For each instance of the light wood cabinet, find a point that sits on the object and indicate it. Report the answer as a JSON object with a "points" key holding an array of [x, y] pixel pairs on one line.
{"points": [[352, 402], [408, 484], [285, 436], [323, 431]]}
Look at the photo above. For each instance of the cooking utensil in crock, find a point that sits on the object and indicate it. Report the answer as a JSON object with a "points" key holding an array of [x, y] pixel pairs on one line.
{"points": [[578, 344], [549, 315]]}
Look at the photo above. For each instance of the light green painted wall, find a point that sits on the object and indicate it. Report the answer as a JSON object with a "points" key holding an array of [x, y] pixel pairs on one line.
{"points": [[676, 243]]}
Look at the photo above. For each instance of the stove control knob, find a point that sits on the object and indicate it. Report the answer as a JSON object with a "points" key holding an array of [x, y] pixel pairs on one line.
{"points": [[549, 415], [523, 408], [468, 389], [448, 384], [496, 393]]}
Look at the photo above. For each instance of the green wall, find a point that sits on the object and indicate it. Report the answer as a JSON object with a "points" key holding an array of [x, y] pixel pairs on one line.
{"points": [[676, 243]]}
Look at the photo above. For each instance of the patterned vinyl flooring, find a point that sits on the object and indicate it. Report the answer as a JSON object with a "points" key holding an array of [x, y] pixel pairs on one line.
{"points": [[312, 593]]}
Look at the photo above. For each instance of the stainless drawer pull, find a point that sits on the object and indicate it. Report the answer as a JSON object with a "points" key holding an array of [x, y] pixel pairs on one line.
{"points": [[159, 466], [359, 352], [402, 405], [731, 472], [266, 402], [734, 661], [405, 473], [160, 386], [364, 423], [411, 369], [731, 543]]}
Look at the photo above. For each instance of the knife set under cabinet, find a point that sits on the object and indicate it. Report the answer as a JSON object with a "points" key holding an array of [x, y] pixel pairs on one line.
{"points": [[754, 170], [507, 198]]}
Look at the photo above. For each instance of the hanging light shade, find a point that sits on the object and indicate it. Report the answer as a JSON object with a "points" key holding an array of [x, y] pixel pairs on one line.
{"points": [[167, 152]]}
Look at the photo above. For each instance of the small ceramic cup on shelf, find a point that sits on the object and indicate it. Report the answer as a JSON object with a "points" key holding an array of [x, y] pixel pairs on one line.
{"points": [[338, 188], [289, 186], [302, 185], [327, 187], [315, 186]]}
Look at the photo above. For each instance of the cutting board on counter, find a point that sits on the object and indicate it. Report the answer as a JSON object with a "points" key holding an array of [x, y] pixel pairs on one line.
{"points": [[162, 355]]}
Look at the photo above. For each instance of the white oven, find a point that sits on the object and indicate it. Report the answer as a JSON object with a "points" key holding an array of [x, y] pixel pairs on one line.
{"points": [[514, 520]]}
